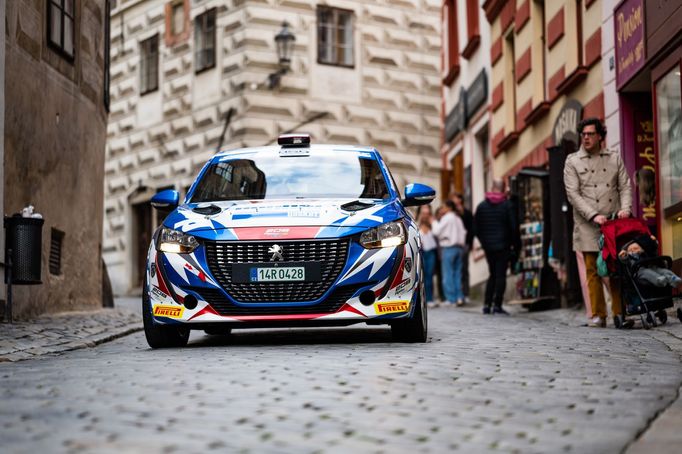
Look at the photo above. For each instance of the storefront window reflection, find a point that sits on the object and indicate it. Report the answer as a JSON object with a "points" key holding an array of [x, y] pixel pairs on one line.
{"points": [[669, 107]]}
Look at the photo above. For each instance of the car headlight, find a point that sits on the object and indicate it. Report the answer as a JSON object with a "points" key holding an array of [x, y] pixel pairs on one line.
{"points": [[175, 241], [386, 235]]}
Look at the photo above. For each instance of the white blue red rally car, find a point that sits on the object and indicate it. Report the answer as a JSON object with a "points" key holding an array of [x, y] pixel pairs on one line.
{"points": [[297, 234]]}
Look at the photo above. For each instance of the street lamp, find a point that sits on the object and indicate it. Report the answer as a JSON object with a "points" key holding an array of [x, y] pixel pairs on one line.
{"points": [[284, 40]]}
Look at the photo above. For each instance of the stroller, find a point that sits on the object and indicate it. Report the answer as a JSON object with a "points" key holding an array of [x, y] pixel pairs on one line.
{"points": [[637, 298]]}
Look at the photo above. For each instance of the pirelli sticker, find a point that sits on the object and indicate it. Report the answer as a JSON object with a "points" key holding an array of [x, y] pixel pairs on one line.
{"points": [[391, 307], [168, 311]]}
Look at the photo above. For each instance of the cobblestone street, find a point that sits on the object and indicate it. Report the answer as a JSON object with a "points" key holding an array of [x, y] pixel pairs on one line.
{"points": [[526, 383]]}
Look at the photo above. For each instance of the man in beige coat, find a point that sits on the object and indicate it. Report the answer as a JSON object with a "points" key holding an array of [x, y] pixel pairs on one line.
{"points": [[597, 185]]}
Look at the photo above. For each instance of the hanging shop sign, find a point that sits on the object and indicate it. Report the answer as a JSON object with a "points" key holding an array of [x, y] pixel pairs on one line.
{"points": [[456, 119], [630, 47], [566, 124], [477, 94]]}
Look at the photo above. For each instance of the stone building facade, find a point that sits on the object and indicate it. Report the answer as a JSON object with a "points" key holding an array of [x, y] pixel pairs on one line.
{"points": [[55, 120], [190, 75]]}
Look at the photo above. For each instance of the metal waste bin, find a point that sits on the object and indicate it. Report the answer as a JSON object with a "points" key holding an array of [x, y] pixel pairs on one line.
{"points": [[23, 247]]}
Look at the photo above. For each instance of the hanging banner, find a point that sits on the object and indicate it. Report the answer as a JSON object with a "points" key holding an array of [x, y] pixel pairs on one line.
{"points": [[630, 47]]}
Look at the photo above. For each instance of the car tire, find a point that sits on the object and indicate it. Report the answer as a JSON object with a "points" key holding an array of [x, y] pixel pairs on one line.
{"points": [[161, 336], [415, 328]]}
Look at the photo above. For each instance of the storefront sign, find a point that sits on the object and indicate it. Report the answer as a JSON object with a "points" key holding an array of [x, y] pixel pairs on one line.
{"points": [[566, 124], [629, 29], [645, 163], [456, 119], [477, 94]]}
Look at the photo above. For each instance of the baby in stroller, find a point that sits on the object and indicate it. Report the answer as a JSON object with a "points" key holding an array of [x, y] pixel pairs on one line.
{"points": [[643, 247]]}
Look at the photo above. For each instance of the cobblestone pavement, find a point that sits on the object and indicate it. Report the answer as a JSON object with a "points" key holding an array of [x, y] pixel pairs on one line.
{"points": [[526, 383]]}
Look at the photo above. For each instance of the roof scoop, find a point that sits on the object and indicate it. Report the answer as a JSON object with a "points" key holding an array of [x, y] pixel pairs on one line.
{"points": [[207, 210], [356, 205]]}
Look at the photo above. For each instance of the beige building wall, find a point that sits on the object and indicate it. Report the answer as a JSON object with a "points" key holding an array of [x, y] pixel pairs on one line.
{"points": [[389, 99], [54, 151], [471, 143], [572, 69]]}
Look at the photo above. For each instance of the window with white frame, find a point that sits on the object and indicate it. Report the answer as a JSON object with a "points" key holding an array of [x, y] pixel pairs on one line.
{"points": [[335, 36], [204, 41], [149, 64]]}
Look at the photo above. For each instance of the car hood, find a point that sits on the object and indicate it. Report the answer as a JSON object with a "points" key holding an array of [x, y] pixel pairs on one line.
{"points": [[265, 219]]}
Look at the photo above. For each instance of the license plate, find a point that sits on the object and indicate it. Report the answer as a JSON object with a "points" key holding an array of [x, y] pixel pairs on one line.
{"points": [[244, 273], [280, 274]]}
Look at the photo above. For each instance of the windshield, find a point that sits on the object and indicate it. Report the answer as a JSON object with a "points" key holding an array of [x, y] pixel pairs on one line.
{"points": [[267, 175]]}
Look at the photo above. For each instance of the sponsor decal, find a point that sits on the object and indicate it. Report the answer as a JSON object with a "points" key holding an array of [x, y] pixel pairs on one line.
{"points": [[158, 294], [408, 264], [276, 232], [403, 286], [391, 307], [152, 269], [168, 311]]}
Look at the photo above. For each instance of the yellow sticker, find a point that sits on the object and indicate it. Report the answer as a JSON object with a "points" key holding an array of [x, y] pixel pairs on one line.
{"points": [[391, 307], [168, 311]]}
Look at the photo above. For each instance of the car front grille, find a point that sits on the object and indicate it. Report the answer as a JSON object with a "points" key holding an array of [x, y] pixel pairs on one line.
{"points": [[218, 301], [330, 254]]}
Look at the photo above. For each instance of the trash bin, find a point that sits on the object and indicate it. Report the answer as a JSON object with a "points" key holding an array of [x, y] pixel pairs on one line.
{"points": [[24, 239]]}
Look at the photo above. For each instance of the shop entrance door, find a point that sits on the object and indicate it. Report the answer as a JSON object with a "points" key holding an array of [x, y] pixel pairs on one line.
{"points": [[561, 215]]}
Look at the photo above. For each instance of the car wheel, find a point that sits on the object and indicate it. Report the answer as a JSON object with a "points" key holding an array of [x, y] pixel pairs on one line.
{"points": [[161, 336], [415, 328]]}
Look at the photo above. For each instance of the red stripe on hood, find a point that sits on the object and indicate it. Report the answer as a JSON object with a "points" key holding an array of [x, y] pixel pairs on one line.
{"points": [[274, 233]]}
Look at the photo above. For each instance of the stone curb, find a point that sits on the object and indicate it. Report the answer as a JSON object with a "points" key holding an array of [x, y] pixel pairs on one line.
{"points": [[58, 333]]}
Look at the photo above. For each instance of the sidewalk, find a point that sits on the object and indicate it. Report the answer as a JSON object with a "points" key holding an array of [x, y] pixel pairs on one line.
{"points": [[68, 331]]}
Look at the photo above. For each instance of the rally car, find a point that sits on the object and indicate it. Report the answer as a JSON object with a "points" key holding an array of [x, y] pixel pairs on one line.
{"points": [[296, 234]]}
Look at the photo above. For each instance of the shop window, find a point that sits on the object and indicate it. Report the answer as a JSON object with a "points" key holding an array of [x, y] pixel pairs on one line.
{"points": [[669, 117], [204, 41], [450, 42], [335, 37], [60, 26], [149, 65]]}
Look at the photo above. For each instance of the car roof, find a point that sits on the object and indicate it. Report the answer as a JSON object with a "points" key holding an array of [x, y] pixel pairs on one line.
{"points": [[312, 147]]}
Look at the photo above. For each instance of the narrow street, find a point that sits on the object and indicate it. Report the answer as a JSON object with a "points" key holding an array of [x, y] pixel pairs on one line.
{"points": [[525, 383]]}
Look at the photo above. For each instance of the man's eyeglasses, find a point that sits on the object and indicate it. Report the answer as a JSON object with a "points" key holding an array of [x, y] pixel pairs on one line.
{"points": [[588, 134]]}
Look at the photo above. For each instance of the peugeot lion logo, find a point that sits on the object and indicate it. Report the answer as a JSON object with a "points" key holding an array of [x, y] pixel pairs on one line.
{"points": [[276, 251]]}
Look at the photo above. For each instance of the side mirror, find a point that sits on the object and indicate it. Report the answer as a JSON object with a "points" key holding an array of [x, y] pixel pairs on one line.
{"points": [[167, 199], [418, 194]]}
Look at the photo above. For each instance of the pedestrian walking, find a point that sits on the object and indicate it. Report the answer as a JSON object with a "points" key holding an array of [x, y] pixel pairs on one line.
{"points": [[451, 235], [597, 186], [429, 250], [496, 228], [468, 220]]}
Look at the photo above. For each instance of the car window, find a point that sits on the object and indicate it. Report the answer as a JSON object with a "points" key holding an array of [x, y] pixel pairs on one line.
{"points": [[267, 175]]}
